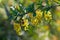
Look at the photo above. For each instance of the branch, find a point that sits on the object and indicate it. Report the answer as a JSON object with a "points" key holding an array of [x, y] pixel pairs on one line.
{"points": [[7, 12]]}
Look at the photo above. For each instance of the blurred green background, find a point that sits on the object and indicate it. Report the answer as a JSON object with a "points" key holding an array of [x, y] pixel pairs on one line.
{"points": [[38, 30]]}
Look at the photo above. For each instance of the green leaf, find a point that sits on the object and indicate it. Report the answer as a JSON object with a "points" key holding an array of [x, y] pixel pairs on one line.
{"points": [[14, 12], [30, 8]]}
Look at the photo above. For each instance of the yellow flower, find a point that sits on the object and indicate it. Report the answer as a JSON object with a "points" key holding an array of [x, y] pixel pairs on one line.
{"points": [[25, 22], [17, 28], [26, 28], [38, 14], [34, 21], [48, 16]]}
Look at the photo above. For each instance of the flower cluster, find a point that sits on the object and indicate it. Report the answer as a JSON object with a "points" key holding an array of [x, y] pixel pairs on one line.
{"points": [[17, 28], [48, 15]]}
